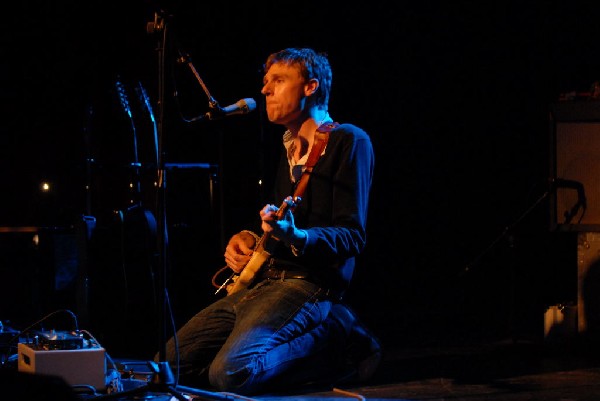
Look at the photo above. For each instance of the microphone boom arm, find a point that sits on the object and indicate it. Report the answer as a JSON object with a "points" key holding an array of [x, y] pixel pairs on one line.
{"points": [[242, 106], [212, 103]]}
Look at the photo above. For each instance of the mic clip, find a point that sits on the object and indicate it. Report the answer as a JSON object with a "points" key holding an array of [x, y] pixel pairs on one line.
{"points": [[215, 112], [214, 107]]}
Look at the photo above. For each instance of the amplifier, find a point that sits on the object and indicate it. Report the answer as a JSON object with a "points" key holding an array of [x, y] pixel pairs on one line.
{"points": [[86, 366]]}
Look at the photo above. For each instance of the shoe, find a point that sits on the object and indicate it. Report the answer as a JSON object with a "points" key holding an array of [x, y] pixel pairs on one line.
{"points": [[363, 352]]}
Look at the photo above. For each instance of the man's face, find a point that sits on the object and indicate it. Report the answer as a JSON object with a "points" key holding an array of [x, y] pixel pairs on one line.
{"points": [[285, 93]]}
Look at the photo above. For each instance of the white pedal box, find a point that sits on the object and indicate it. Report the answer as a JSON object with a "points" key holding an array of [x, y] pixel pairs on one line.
{"points": [[85, 366]]}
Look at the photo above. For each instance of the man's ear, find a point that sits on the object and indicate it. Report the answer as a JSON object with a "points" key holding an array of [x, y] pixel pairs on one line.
{"points": [[311, 87]]}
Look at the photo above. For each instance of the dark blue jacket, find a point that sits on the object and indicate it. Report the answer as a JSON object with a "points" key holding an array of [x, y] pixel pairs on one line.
{"points": [[334, 207]]}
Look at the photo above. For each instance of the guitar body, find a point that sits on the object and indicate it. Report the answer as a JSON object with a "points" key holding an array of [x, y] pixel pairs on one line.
{"points": [[247, 275], [260, 254]]}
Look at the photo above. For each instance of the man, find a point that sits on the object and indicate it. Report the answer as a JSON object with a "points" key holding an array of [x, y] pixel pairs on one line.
{"points": [[286, 325]]}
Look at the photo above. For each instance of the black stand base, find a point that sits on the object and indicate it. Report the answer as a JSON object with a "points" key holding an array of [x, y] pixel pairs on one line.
{"points": [[163, 382]]}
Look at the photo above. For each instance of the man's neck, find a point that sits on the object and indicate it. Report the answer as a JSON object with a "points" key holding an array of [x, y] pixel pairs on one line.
{"points": [[309, 126]]}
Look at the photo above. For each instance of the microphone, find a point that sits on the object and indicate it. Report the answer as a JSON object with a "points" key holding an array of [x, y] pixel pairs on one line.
{"points": [[242, 106]]}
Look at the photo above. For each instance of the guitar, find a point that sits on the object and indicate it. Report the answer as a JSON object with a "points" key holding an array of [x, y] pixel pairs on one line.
{"points": [[262, 251], [145, 99], [135, 185]]}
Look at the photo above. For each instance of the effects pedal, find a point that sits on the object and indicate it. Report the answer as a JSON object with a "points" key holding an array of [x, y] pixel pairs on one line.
{"points": [[64, 354]]}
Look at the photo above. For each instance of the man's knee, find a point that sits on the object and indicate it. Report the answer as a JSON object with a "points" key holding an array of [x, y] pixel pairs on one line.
{"points": [[228, 376]]}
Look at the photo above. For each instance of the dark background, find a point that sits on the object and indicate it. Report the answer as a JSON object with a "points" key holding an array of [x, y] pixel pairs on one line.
{"points": [[454, 95]]}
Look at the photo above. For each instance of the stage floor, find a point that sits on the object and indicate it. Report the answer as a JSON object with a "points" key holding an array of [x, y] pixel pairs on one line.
{"points": [[506, 371]]}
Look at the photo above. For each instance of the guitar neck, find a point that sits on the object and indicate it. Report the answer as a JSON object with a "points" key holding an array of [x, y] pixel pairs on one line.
{"points": [[262, 244]]}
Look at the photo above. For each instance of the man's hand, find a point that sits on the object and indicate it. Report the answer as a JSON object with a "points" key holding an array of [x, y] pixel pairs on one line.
{"points": [[239, 250], [282, 227]]}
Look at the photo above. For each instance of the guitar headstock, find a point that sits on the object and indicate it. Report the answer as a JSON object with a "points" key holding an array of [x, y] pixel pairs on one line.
{"points": [[145, 99], [289, 203], [123, 97]]}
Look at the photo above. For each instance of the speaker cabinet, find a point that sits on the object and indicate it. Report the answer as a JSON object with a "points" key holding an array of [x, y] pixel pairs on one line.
{"points": [[575, 166]]}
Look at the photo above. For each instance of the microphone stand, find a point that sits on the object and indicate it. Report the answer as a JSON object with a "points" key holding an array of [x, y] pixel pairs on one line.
{"points": [[215, 109], [552, 187], [162, 376]]}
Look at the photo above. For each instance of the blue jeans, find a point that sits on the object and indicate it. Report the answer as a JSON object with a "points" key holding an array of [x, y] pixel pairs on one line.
{"points": [[275, 333]]}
